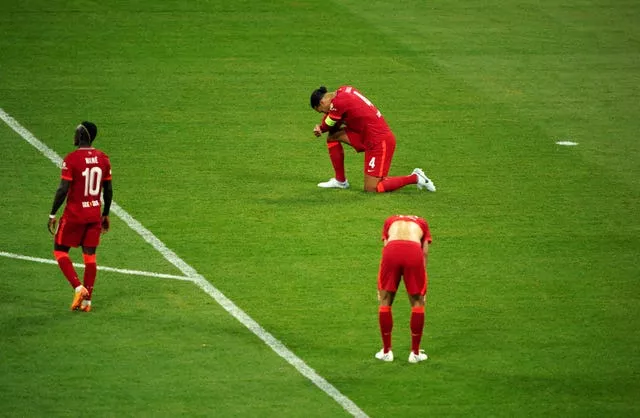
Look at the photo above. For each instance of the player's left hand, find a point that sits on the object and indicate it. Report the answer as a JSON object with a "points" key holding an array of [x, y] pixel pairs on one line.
{"points": [[52, 224], [317, 131], [105, 224]]}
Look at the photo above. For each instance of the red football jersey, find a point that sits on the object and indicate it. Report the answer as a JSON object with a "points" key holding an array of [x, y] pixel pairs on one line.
{"points": [[86, 169], [426, 234], [352, 108]]}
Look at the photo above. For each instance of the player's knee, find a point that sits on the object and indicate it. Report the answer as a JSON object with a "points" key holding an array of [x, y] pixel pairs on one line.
{"points": [[417, 301], [59, 254], [374, 186], [338, 136]]}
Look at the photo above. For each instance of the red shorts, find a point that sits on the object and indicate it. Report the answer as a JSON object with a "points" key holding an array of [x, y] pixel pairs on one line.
{"points": [[403, 260], [377, 155], [75, 234]]}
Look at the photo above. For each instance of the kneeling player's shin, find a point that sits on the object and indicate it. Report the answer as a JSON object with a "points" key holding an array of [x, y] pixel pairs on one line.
{"points": [[336, 154]]}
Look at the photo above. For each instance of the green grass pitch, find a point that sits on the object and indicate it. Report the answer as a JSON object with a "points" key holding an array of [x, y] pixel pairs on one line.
{"points": [[534, 277]]}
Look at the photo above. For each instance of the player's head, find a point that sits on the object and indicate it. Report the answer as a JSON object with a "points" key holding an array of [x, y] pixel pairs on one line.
{"points": [[85, 133], [316, 97]]}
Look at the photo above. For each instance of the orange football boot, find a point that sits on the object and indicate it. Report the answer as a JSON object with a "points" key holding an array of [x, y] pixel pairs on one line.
{"points": [[79, 296]]}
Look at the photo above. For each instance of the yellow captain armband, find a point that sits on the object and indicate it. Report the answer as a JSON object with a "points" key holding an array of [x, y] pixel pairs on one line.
{"points": [[330, 122]]}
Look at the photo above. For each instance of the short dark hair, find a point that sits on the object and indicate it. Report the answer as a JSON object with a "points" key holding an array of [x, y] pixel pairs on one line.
{"points": [[317, 95], [87, 128]]}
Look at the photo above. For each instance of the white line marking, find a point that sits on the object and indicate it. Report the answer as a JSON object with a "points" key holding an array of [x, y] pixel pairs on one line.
{"points": [[201, 282], [101, 268], [567, 143]]}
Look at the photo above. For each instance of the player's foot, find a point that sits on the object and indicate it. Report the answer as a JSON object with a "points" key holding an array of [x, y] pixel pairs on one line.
{"points": [[80, 295], [417, 358], [381, 355], [332, 183], [423, 181], [86, 306]]}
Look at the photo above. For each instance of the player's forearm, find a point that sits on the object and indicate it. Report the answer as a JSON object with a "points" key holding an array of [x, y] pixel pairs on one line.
{"points": [[107, 195], [58, 200], [425, 251]]}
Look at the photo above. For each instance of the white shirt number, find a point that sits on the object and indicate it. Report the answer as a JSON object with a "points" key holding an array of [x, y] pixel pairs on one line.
{"points": [[92, 178]]}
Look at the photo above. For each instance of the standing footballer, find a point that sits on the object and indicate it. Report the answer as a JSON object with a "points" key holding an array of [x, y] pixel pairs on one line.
{"points": [[86, 175]]}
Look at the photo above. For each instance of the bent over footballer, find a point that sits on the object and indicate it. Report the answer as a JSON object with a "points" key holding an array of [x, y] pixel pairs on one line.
{"points": [[406, 240]]}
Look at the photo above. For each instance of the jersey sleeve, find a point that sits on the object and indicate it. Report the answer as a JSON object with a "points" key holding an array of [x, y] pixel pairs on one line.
{"points": [[426, 233], [385, 228], [335, 115], [66, 173], [336, 111], [107, 168]]}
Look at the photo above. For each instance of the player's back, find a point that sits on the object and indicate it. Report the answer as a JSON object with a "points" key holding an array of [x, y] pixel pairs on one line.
{"points": [[359, 113], [406, 228], [86, 169]]}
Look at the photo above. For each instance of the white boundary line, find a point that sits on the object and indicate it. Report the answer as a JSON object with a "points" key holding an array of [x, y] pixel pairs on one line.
{"points": [[192, 275], [101, 268]]}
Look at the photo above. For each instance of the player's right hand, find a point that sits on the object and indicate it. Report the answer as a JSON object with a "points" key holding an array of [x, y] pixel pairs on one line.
{"points": [[105, 224], [51, 225]]}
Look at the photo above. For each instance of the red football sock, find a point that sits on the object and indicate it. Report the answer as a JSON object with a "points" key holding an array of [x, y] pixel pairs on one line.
{"points": [[386, 325], [67, 268], [90, 269], [336, 154], [417, 325], [390, 184]]}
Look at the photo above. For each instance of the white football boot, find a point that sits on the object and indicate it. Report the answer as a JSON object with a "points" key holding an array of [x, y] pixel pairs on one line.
{"points": [[423, 181], [381, 355], [417, 358], [332, 183]]}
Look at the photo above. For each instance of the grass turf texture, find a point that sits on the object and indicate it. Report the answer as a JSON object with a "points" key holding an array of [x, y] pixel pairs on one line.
{"points": [[203, 108]]}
